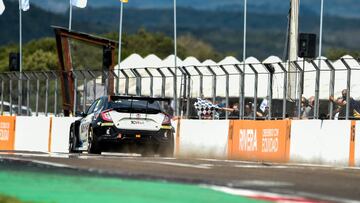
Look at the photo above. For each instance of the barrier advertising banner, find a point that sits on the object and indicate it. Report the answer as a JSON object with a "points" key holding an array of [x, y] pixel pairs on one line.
{"points": [[7, 132], [259, 140]]}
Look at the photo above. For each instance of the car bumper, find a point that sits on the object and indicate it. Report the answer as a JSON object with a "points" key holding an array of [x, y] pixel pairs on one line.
{"points": [[113, 134]]}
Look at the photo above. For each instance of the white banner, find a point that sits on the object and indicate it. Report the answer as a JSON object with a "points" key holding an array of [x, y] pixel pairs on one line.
{"points": [[2, 7], [79, 3], [25, 5]]}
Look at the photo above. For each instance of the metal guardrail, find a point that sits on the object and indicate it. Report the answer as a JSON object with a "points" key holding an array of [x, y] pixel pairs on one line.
{"points": [[39, 91]]}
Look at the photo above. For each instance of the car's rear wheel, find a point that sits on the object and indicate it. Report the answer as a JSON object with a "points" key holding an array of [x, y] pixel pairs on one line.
{"points": [[93, 147], [166, 149]]}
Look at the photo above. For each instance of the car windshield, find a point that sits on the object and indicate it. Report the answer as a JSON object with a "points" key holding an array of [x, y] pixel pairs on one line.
{"points": [[136, 106]]}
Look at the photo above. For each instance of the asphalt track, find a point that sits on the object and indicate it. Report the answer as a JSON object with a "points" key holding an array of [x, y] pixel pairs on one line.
{"points": [[250, 179]]}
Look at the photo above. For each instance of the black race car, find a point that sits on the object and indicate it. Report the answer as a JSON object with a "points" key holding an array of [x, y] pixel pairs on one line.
{"points": [[138, 124]]}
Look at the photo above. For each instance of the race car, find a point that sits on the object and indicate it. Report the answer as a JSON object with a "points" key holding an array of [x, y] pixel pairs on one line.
{"points": [[113, 122]]}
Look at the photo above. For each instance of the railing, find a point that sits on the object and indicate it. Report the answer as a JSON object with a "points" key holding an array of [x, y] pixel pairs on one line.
{"points": [[37, 93]]}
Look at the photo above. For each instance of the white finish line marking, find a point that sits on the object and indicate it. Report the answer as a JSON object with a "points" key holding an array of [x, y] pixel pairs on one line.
{"points": [[199, 166]]}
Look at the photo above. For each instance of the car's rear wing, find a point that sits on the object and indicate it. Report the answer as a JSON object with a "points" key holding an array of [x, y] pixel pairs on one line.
{"points": [[150, 99]]}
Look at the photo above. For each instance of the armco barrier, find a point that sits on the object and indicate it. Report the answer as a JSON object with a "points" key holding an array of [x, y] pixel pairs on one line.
{"points": [[259, 140], [203, 138], [32, 133], [59, 136], [7, 130], [321, 142]]}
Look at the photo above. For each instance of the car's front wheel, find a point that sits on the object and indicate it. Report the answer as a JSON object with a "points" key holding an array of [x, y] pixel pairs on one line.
{"points": [[93, 147], [72, 140]]}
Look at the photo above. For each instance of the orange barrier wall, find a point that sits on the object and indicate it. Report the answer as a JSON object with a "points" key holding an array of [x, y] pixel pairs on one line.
{"points": [[259, 140], [7, 132]]}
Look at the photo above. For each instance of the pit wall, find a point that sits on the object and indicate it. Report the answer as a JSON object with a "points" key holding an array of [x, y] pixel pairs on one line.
{"points": [[334, 143]]}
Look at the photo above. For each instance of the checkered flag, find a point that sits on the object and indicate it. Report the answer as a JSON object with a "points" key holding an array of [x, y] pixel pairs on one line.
{"points": [[206, 109]]}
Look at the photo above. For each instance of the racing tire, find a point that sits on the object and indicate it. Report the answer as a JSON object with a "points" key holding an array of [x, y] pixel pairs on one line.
{"points": [[166, 149], [93, 147], [72, 140]]}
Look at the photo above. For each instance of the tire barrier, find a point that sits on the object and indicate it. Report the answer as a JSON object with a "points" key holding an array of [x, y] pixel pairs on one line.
{"points": [[297, 141]]}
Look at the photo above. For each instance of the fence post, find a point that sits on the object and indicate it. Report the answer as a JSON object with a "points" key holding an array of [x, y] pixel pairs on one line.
{"points": [[2, 95], [255, 90], [270, 68], [151, 82], [189, 95], [317, 89], [126, 81], [284, 89], [348, 88], [37, 95], [55, 93], [201, 78], [226, 91], [300, 86], [75, 92], [331, 88], [241, 92], [213, 83], [46, 93]]}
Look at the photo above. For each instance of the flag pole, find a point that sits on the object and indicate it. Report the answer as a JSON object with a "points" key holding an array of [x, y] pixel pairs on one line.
{"points": [[175, 63], [70, 15], [119, 51], [20, 59]]}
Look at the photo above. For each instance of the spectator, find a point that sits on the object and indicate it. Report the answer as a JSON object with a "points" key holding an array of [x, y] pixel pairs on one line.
{"points": [[341, 102], [307, 107]]}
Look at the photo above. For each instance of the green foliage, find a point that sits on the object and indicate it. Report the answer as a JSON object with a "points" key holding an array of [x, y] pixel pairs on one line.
{"points": [[335, 54], [42, 54]]}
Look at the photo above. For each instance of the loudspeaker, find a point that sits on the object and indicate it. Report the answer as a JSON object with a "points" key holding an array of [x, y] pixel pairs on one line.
{"points": [[307, 45], [107, 58], [14, 62]]}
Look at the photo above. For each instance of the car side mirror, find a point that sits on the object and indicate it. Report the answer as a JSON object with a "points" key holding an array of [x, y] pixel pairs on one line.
{"points": [[80, 114]]}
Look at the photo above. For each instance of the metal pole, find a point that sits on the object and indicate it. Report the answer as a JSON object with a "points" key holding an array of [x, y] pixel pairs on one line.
{"points": [[331, 88], [20, 55], [37, 96], [75, 96], [84, 94], [46, 95], [348, 88], [70, 15], [55, 96], [242, 87], [317, 90], [10, 96], [175, 62], [321, 31], [255, 90], [285, 83], [2, 96], [119, 49], [28, 96]]}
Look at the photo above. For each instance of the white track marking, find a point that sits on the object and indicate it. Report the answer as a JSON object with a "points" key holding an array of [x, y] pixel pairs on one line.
{"points": [[38, 162], [261, 183], [199, 166]]}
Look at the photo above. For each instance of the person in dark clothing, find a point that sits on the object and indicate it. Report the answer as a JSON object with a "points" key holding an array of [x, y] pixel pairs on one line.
{"points": [[354, 106]]}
